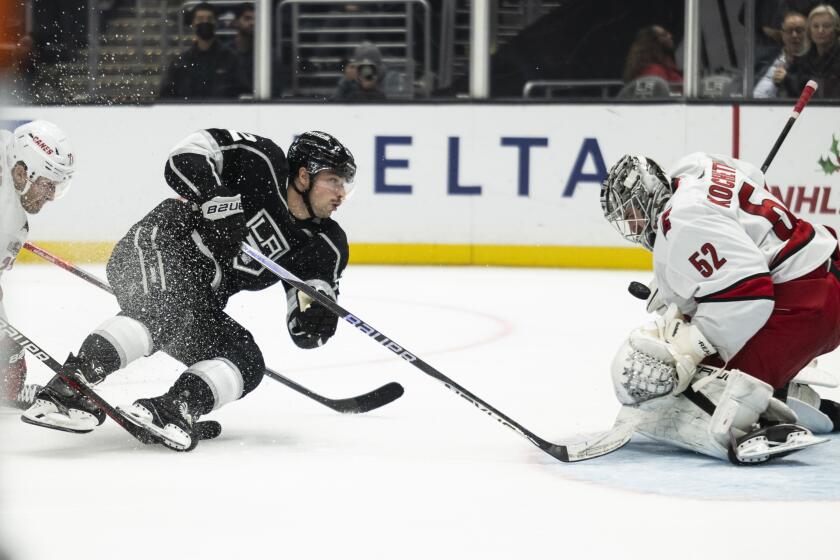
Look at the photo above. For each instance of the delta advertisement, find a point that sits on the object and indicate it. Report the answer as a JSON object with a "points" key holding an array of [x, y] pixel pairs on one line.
{"points": [[460, 184]]}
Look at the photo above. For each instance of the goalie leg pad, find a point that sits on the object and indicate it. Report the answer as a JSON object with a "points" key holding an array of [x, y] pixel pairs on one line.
{"points": [[740, 404], [739, 400]]}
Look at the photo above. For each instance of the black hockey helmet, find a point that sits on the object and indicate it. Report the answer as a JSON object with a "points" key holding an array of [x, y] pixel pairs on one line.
{"points": [[318, 151]]}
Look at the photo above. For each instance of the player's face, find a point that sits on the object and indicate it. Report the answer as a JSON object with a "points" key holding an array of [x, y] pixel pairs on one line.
{"points": [[328, 192], [636, 220], [41, 192]]}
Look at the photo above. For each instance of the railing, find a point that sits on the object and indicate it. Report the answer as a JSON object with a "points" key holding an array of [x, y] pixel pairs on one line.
{"points": [[298, 45], [550, 85]]}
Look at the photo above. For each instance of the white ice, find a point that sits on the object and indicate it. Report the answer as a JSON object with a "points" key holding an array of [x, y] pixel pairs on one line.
{"points": [[429, 476]]}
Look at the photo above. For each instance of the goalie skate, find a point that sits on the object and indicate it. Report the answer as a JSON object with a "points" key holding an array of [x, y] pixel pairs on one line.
{"points": [[769, 443]]}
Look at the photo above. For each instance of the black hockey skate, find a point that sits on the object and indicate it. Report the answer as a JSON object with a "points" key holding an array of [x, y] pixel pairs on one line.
{"points": [[168, 416], [60, 407], [769, 443]]}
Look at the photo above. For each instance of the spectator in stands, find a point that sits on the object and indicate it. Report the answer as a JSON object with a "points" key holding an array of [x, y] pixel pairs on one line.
{"points": [[243, 42], [652, 54], [822, 61], [794, 44], [207, 70], [363, 77]]}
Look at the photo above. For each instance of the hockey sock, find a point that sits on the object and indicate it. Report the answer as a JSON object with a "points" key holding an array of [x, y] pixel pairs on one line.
{"points": [[195, 391]]}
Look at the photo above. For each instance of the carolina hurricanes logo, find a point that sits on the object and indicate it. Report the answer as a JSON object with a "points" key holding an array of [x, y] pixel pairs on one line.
{"points": [[41, 144]]}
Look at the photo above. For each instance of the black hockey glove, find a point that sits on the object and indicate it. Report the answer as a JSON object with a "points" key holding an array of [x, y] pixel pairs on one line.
{"points": [[312, 327], [224, 226], [318, 320]]}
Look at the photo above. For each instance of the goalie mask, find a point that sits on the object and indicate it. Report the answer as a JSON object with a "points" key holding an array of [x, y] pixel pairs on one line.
{"points": [[632, 196], [45, 151]]}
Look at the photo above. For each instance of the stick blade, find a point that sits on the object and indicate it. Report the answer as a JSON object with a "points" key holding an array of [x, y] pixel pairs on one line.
{"points": [[598, 444], [593, 445], [377, 398]]}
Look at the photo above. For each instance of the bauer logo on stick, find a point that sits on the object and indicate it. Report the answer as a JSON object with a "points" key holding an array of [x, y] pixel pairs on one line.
{"points": [[24, 342], [384, 340]]}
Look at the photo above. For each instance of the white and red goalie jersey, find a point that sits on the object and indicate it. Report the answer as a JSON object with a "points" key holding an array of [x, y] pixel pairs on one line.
{"points": [[723, 242]]}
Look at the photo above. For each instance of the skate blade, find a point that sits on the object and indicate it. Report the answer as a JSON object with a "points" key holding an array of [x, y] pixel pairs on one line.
{"points": [[796, 443], [54, 426], [155, 430]]}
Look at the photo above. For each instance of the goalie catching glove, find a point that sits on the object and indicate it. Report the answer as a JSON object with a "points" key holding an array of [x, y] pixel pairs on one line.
{"points": [[659, 358]]}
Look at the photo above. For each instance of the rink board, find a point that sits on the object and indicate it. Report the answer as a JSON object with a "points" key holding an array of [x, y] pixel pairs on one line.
{"points": [[444, 184]]}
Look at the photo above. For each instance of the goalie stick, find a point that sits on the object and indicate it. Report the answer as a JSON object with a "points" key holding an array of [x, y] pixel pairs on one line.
{"points": [[351, 405], [586, 447], [804, 97]]}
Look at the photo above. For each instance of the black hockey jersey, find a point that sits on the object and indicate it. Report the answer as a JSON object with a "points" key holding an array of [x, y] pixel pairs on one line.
{"points": [[218, 162]]}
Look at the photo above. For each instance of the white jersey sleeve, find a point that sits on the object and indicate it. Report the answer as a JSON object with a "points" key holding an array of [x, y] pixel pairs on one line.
{"points": [[716, 275]]}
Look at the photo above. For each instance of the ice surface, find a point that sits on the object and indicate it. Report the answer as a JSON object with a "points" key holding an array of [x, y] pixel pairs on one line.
{"points": [[428, 476]]}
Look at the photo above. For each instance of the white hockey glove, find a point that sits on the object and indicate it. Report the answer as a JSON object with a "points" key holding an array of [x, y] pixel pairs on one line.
{"points": [[684, 341], [659, 359]]}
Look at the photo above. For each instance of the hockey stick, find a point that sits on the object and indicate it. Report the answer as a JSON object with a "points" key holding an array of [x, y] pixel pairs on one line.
{"points": [[142, 434], [804, 97], [593, 446], [351, 405]]}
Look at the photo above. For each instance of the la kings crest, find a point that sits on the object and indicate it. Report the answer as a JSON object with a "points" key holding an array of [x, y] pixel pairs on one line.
{"points": [[264, 235]]}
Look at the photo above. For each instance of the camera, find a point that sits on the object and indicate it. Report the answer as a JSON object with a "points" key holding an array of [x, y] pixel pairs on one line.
{"points": [[366, 71]]}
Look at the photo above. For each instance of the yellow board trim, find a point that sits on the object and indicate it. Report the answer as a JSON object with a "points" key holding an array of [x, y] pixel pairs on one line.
{"points": [[418, 254]]}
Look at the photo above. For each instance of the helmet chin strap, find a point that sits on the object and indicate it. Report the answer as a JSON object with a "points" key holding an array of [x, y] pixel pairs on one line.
{"points": [[305, 196], [26, 187]]}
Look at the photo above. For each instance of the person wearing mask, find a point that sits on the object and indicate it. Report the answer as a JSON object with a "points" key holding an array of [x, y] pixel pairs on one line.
{"points": [[207, 70]]}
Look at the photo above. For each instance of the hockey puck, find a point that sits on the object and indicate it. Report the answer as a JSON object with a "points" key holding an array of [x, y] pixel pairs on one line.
{"points": [[638, 290], [208, 429]]}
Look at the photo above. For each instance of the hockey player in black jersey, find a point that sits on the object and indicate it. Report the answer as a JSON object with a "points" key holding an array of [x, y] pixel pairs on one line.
{"points": [[175, 269]]}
